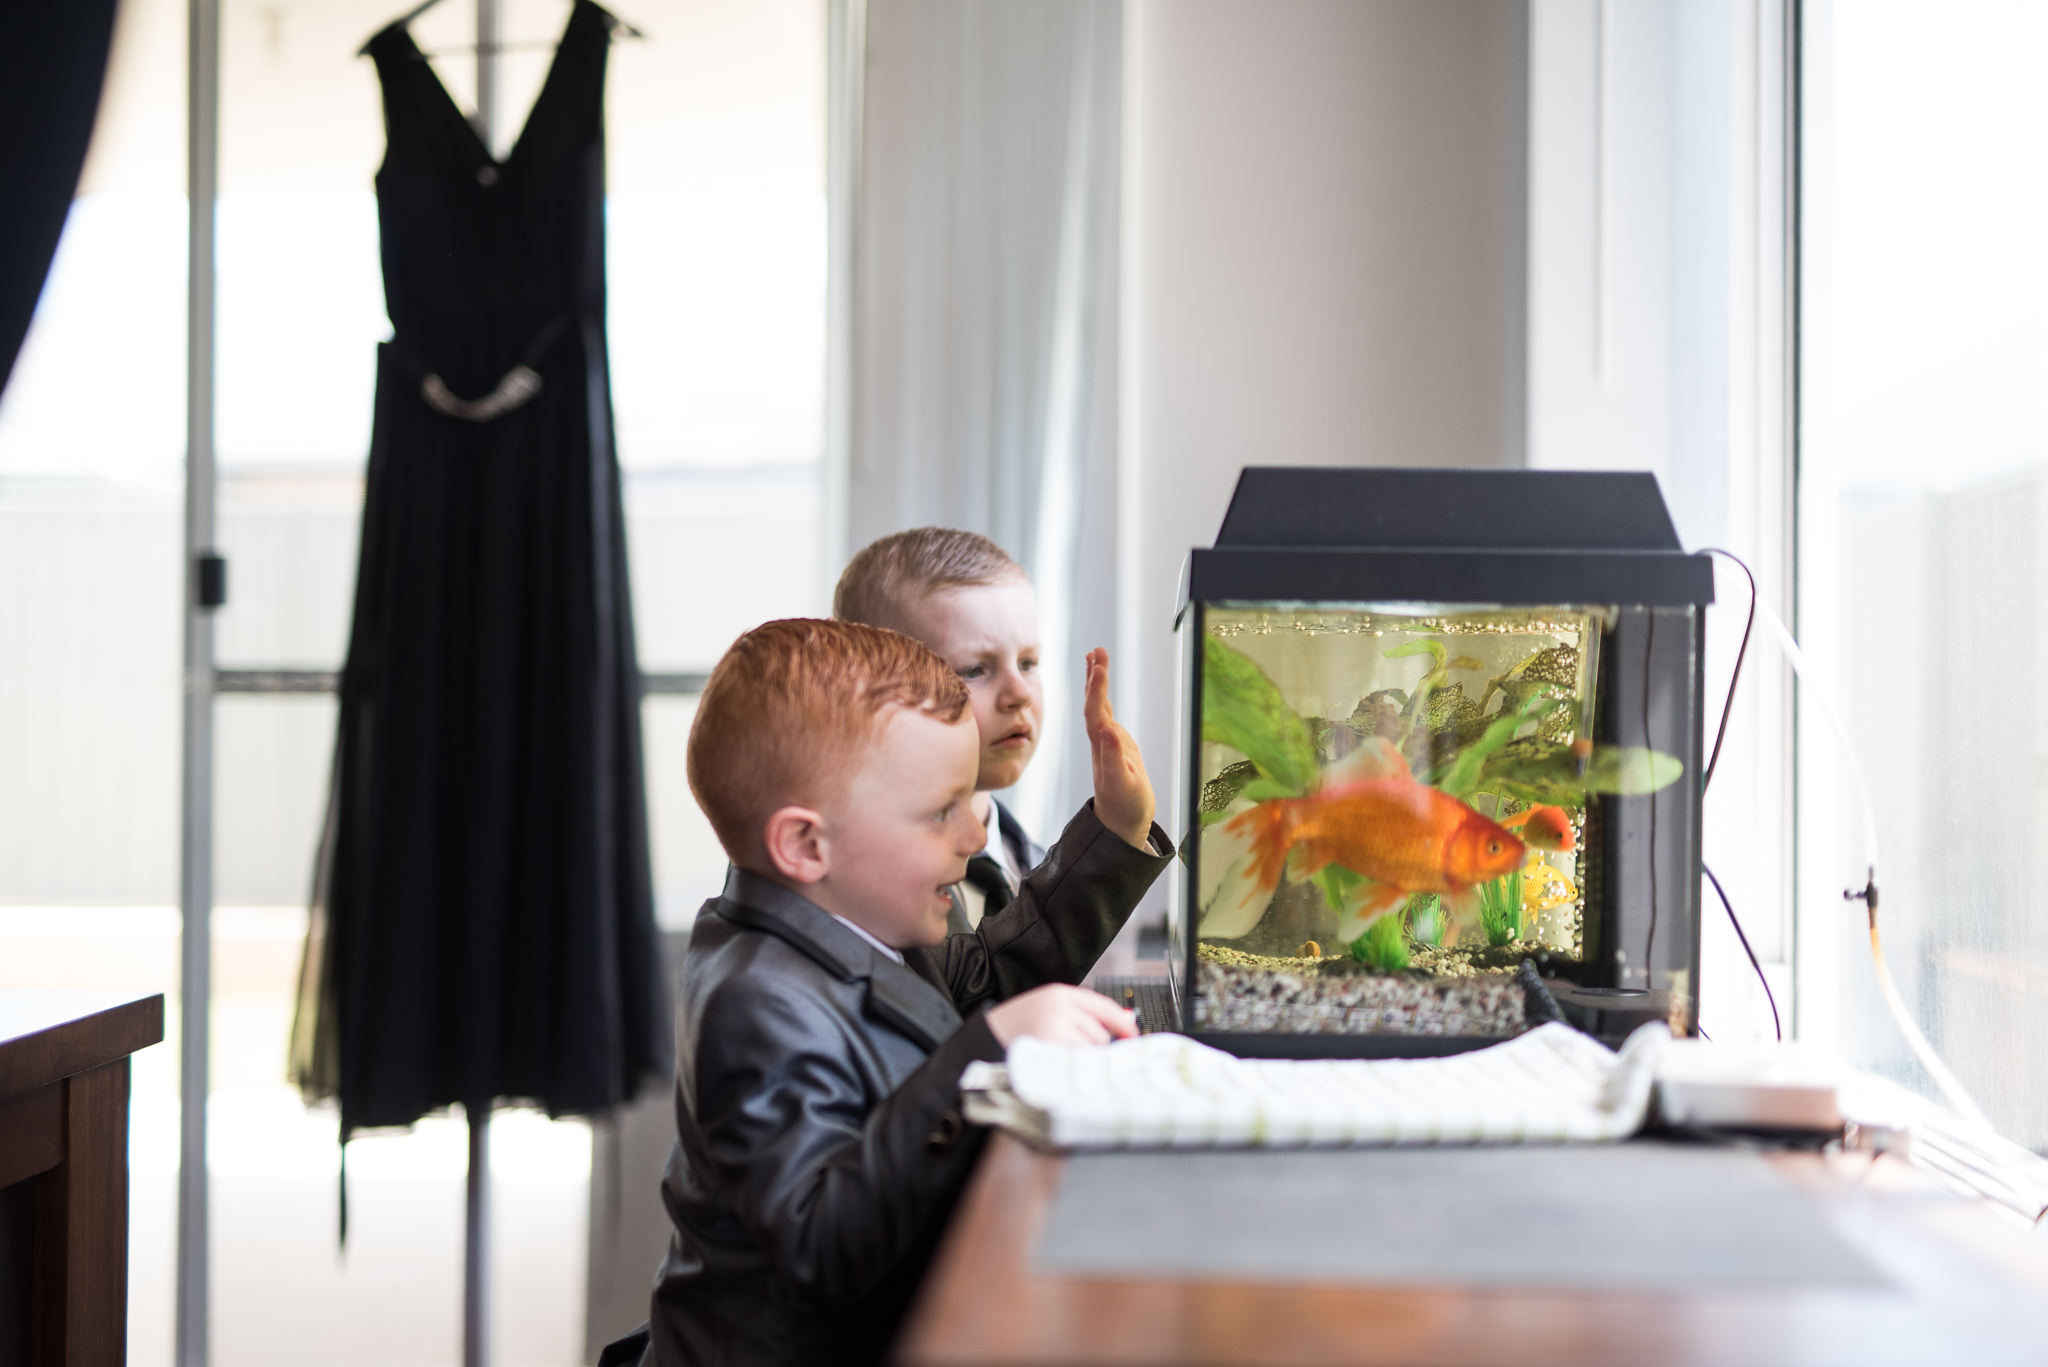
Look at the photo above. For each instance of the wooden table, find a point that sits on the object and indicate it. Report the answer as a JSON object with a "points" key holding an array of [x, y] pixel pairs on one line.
{"points": [[64, 1171], [1969, 1287]]}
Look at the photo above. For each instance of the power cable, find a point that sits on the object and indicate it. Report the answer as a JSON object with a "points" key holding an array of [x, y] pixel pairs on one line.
{"points": [[1720, 736], [1735, 675], [1777, 1025]]}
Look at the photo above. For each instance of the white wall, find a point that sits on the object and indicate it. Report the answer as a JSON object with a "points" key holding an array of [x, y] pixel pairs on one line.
{"points": [[1323, 255]]}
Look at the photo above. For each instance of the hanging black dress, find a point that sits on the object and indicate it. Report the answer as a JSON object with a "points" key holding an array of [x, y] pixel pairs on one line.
{"points": [[482, 914]]}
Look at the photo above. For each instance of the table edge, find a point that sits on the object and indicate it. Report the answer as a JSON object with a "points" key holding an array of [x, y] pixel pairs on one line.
{"points": [[80, 1044]]}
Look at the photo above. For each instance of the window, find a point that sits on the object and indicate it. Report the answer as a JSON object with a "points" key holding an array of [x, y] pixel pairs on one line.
{"points": [[1924, 512]]}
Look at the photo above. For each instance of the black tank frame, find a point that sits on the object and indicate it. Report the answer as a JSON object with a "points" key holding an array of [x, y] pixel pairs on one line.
{"points": [[1491, 538]]}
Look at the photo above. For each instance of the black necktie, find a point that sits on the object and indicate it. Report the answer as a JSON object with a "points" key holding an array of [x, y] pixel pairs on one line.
{"points": [[985, 873]]}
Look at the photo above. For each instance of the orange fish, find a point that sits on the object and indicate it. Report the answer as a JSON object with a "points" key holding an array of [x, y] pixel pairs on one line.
{"points": [[1543, 828], [1372, 817]]}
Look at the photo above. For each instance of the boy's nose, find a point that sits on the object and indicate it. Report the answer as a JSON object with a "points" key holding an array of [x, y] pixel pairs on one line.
{"points": [[1014, 691], [969, 835]]}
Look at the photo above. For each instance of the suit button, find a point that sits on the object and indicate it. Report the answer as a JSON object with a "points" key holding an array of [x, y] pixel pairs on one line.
{"points": [[946, 1133]]}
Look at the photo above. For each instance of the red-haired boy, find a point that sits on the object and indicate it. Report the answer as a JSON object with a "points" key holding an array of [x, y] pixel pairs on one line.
{"points": [[820, 1145]]}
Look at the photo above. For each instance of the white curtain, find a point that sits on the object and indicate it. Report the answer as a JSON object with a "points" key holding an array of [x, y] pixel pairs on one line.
{"points": [[981, 332]]}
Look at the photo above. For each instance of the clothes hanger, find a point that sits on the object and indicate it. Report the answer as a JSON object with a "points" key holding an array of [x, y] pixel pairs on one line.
{"points": [[619, 27]]}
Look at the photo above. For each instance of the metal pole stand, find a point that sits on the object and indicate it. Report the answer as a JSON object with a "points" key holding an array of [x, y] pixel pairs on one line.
{"points": [[476, 1253]]}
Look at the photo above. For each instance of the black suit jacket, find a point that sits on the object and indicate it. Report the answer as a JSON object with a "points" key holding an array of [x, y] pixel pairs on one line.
{"points": [[819, 1140]]}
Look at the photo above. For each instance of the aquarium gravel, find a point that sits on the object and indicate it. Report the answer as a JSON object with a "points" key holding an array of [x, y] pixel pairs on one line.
{"points": [[1246, 993]]}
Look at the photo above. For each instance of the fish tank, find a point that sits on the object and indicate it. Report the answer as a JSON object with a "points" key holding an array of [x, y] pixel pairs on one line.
{"points": [[1440, 762]]}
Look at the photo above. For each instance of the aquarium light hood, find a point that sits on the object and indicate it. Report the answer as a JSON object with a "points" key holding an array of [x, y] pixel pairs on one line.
{"points": [[1471, 536]]}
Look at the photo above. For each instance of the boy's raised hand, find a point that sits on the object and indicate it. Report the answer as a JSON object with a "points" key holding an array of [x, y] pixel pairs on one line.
{"points": [[1123, 794], [1060, 1014]]}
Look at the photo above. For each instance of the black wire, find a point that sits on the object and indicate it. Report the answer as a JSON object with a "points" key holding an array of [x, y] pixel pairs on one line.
{"points": [[1720, 735], [1735, 675], [1776, 1024]]}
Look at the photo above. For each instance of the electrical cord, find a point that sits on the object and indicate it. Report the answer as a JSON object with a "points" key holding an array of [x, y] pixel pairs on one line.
{"points": [[1734, 675], [1777, 1025], [1720, 736]]}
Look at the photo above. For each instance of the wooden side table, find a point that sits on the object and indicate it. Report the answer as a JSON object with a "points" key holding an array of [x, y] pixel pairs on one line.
{"points": [[64, 1170]]}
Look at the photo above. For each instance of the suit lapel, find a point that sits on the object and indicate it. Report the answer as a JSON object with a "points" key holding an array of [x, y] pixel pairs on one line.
{"points": [[906, 1000]]}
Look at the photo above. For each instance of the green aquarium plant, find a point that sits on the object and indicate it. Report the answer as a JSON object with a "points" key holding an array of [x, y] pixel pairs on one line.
{"points": [[1219, 792], [1243, 709], [1425, 916], [1462, 776], [1436, 718], [1536, 770], [1440, 666], [1500, 909], [1384, 945], [1339, 885], [1554, 671]]}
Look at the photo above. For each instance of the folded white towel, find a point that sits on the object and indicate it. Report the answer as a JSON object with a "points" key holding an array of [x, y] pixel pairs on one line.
{"points": [[1552, 1085]]}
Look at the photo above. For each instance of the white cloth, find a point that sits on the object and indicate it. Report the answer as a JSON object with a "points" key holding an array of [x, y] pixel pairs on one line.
{"points": [[1552, 1085]]}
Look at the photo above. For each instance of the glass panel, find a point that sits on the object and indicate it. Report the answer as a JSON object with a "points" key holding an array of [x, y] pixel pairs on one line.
{"points": [[92, 440], [291, 539], [716, 234], [715, 553], [1400, 805], [717, 238], [275, 1163], [689, 866], [715, 230], [1931, 396], [300, 312]]}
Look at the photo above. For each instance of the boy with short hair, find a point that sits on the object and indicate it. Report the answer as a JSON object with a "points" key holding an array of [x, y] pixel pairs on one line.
{"points": [[820, 1145], [962, 595]]}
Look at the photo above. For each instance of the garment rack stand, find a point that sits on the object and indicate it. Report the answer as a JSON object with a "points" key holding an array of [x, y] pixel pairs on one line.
{"points": [[476, 1226], [476, 1242]]}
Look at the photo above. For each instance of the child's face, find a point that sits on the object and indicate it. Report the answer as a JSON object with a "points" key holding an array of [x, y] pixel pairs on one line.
{"points": [[989, 634], [901, 829]]}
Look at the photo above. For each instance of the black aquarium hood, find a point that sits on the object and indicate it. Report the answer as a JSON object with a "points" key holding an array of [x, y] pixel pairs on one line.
{"points": [[1512, 537]]}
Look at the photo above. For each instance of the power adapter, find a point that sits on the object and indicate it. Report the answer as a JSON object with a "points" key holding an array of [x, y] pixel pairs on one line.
{"points": [[1766, 1086]]}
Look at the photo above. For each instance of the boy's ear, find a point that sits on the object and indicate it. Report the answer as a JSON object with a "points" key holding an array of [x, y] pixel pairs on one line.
{"points": [[794, 840]]}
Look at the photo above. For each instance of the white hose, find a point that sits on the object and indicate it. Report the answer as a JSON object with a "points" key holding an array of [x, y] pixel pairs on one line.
{"points": [[1922, 1050], [1819, 697]]}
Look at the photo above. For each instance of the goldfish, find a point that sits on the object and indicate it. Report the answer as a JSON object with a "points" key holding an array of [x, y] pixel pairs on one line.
{"points": [[1544, 887], [1370, 815], [1543, 828]]}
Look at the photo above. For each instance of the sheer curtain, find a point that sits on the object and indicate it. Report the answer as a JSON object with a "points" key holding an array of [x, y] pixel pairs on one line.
{"points": [[981, 364]]}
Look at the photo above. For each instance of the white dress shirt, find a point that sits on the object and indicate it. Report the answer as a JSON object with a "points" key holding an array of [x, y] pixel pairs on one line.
{"points": [[861, 931]]}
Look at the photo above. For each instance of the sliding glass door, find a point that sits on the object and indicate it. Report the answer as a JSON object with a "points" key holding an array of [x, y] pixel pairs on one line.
{"points": [[1924, 531]]}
